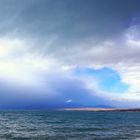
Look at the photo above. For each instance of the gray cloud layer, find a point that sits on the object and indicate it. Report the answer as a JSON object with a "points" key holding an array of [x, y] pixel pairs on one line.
{"points": [[67, 18], [64, 34]]}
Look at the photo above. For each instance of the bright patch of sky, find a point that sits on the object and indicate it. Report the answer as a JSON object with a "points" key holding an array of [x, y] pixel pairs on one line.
{"points": [[107, 79]]}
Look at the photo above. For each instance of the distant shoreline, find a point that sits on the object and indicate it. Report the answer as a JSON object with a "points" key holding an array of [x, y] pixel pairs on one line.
{"points": [[103, 109]]}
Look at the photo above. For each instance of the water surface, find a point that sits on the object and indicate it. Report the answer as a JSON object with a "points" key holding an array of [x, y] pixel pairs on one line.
{"points": [[69, 125]]}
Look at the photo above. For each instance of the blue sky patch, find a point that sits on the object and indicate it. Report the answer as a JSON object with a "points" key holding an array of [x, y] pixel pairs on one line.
{"points": [[107, 79]]}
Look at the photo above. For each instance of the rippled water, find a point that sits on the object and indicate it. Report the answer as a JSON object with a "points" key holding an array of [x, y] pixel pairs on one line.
{"points": [[69, 125]]}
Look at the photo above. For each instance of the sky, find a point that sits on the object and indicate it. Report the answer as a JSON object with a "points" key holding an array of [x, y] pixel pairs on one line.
{"points": [[69, 53]]}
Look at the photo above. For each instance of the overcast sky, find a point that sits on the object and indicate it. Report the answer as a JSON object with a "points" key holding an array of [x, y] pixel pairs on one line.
{"points": [[69, 53]]}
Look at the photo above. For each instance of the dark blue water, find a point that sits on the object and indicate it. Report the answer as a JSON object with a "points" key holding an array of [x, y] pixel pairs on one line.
{"points": [[69, 125]]}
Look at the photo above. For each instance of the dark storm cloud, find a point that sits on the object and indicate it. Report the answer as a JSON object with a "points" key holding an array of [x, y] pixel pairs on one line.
{"points": [[65, 23], [54, 92], [69, 19], [70, 28]]}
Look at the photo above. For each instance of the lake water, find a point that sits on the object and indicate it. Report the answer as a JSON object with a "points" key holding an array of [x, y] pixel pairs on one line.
{"points": [[69, 125]]}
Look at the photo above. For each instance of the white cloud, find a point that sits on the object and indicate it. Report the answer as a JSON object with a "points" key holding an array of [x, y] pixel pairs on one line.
{"points": [[18, 61], [24, 60], [69, 101]]}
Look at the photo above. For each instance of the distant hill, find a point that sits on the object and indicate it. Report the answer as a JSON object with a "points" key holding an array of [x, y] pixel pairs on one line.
{"points": [[71, 105], [51, 106]]}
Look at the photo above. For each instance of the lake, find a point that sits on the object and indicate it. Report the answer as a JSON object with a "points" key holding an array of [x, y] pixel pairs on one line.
{"points": [[69, 125]]}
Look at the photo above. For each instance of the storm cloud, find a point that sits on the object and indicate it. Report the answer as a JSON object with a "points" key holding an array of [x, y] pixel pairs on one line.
{"points": [[43, 43]]}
